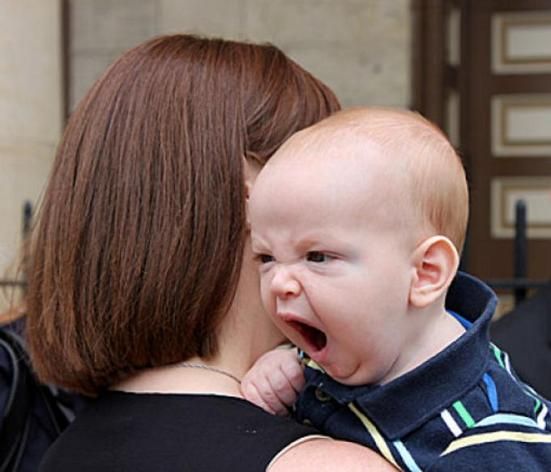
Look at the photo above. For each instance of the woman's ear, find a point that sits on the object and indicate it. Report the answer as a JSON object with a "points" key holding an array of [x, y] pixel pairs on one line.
{"points": [[435, 264], [251, 168]]}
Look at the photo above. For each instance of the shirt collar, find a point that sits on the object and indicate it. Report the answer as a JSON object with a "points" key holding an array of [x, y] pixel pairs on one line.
{"points": [[407, 402]]}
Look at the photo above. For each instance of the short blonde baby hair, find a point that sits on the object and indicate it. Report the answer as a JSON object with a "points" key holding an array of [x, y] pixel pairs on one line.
{"points": [[434, 179]]}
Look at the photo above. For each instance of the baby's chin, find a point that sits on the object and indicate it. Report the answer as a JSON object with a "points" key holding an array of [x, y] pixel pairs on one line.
{"points": [[351, 375]]}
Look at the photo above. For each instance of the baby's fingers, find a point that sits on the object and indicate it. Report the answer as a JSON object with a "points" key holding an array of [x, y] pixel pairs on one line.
{"points": [[282, 387], [294, 373], [273, 382], [270, 396], [251, 393]]}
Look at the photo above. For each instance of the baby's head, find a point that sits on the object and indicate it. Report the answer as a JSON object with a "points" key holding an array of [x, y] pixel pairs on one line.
{"points": [[357, 222]]}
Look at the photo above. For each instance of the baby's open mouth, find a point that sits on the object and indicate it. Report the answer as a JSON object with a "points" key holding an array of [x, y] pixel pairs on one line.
{"points": [[315, 339]]}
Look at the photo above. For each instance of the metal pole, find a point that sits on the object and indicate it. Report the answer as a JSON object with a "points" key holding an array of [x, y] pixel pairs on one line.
{"points": [[520, 251]]}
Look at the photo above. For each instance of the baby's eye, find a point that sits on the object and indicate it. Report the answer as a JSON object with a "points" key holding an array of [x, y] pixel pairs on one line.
{"points": [[264, 258], [317, 256]]}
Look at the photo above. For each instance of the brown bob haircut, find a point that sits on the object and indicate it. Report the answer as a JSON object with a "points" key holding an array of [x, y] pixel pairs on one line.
{"points": [[137, 250]]}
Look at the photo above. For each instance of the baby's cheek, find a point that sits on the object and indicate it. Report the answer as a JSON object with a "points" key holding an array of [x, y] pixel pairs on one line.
{"points": [[266, 296]]}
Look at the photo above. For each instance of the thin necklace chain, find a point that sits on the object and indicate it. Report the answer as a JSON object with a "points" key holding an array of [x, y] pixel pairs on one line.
{"points": [[191, 365]]}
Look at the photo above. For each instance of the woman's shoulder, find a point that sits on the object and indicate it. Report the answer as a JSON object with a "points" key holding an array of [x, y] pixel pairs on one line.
{"points": [[326, 454], [200, 432]]}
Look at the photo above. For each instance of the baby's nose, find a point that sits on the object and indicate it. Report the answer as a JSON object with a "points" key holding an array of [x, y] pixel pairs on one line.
{"points": [[284, 284]]}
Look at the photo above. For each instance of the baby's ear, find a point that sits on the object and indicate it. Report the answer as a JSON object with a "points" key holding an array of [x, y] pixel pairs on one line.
{"points": [[435, 265]]}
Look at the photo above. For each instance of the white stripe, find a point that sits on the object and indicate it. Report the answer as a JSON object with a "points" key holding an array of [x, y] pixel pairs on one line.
{"points": [[542, 415], [507, 362], [451, 423], [530, 391]]}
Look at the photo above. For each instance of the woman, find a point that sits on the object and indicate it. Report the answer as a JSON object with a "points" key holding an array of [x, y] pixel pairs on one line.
{"points": [[142, 288]]}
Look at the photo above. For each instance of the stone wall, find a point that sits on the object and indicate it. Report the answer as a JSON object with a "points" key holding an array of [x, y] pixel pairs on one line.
{"points": [[30, 112], [361, 48]]}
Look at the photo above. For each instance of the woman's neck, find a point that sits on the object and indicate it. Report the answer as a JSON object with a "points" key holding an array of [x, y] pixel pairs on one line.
{"points": [[216, 375], [245, 333], [194, 376]]}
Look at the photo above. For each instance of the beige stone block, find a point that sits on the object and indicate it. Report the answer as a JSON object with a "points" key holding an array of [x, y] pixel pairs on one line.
{"points": [[30, 109], [30, 69], [223, 18], [361, 48], [24, 168], [106, 25], [86, 68], [357, 77], [308, 21]]}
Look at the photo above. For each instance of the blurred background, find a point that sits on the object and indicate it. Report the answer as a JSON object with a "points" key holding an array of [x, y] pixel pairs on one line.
{"points": [[481, 69]]}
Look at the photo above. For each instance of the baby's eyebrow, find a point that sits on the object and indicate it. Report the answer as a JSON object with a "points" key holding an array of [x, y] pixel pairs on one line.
{"points": [[310, 240], [257, 243]]}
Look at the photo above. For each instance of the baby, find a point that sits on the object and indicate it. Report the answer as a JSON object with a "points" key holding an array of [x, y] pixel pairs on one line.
{"points": [[357, 223]]}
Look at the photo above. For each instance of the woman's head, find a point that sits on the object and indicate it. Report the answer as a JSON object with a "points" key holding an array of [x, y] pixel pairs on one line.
{"points": [[138, 246]]}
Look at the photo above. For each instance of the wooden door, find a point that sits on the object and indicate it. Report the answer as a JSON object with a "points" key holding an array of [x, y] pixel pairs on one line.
{"points": [[490, 89]]}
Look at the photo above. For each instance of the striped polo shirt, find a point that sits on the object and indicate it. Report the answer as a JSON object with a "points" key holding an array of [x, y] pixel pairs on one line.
{"points": [[463, 409]]}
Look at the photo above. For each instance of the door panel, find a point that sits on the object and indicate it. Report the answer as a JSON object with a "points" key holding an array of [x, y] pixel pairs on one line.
{"points": [[490, 90]]}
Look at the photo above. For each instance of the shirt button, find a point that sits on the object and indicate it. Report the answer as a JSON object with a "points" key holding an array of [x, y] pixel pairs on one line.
{"points": [[321, 395]]}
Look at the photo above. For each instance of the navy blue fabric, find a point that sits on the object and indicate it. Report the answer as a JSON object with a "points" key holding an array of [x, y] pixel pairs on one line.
{"points": [[470, 373], [42, 432], [529, 325]]}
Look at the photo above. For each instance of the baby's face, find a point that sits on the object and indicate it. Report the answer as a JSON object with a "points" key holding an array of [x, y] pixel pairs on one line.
{"points": [[335, 266]]}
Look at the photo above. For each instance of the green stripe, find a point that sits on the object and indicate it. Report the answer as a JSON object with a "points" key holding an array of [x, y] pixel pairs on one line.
{"points": [[497, 353], [538, 405], [464, 414]]}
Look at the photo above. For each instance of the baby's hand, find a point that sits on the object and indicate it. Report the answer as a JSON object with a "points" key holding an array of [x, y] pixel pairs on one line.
{"points": [[273, 382]]}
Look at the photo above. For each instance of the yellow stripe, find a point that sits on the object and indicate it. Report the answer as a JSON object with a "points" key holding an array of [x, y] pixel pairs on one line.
{"points": [[379, 440], [497, 436], [312, 364]]}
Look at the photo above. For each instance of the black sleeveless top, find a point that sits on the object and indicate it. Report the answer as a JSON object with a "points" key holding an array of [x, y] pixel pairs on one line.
{"points": [[124, 432]]}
